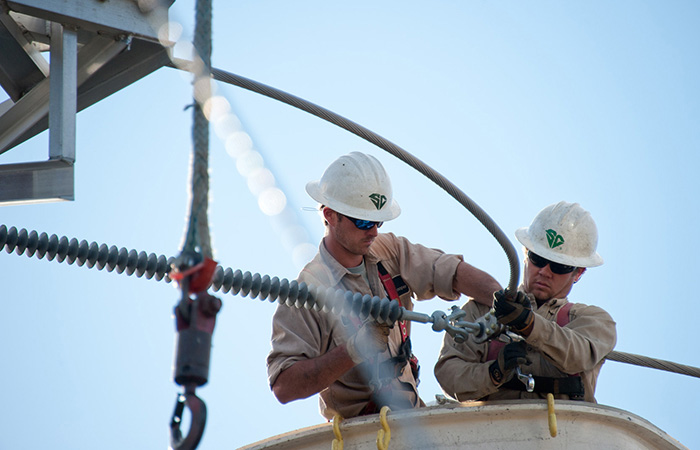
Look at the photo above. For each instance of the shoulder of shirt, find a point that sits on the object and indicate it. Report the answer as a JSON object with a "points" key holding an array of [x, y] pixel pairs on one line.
{"points": [[316, 273], [386, 238], [385, 245], [585, 309]]}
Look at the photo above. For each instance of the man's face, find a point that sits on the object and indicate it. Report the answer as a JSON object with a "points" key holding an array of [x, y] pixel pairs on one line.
{"points": [[545, 285], [351, 238]]}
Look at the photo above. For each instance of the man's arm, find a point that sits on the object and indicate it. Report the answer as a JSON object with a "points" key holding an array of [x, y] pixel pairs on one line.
{"points": [[580, 345], [475, 283], [310, 376]]}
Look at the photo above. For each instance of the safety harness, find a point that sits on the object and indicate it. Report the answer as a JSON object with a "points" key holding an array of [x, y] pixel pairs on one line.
{"points": [[571, 385], [395, 287]]}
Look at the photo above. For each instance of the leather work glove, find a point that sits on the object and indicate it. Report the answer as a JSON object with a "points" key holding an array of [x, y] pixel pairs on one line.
{"points": [[510, 357], [370, 340], [515, 313]]}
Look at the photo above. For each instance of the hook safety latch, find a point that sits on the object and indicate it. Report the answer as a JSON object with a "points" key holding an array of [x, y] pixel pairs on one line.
{"points": [[198, 412]]}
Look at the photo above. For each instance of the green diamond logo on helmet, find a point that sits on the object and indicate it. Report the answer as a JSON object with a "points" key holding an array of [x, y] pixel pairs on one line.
{"points": [[555, 239], [379, 200]]}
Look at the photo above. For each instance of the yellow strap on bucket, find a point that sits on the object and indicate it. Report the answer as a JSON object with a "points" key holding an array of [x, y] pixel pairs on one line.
{"points": [[338, 441], [551, 416], [383, 435]]}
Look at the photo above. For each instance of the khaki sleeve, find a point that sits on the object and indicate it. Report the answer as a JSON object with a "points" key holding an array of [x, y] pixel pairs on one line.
{"points": [[428, 272], [297, 334], [578, 346]]}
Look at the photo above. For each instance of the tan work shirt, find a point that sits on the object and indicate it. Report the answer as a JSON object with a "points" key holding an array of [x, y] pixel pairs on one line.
{"points": [[299, 334], [580, 347]]}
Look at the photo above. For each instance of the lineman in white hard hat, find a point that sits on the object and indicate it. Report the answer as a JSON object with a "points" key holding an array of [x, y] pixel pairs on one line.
{"points": [[565, 236], [358, 186], [564, 233], [359, 367], [564, 344]]}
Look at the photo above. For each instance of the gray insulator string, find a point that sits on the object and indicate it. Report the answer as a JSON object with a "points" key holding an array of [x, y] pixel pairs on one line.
{"points": [[290, 293], [93, 255], [301, 295], [236, 282], [382, 143]]}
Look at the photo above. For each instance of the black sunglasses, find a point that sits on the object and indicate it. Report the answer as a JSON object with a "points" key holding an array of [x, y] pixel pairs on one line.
{"points": [[363, 224], [559, 269]]}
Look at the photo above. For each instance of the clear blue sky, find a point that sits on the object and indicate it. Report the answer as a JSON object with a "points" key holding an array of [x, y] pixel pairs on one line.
{"points": [[520, 104]]}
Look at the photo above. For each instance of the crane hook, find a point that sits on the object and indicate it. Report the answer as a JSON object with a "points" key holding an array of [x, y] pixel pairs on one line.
{"points": [[198, 411]]}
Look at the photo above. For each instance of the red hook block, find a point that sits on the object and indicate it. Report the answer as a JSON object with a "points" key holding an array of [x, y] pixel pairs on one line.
{"points": [[200, 275]]}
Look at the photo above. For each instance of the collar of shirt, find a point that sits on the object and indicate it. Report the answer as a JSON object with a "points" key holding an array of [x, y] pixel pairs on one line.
{"points": [[338, 271], [549, 304]]}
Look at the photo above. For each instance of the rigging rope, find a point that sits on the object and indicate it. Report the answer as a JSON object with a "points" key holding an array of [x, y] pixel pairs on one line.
{"points": [[237, 282], [197, 235], [194, 320]]}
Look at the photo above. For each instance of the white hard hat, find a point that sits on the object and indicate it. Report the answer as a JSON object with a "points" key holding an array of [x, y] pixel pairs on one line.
{"points": [[564, 233], [356, 185]]}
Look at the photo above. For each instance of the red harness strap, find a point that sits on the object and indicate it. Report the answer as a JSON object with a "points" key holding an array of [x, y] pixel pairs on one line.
{"points": [[563, 314], [393, 294], [394, 288], [563, 319]]}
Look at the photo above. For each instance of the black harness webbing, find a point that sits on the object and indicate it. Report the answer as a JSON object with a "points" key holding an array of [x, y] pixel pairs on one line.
{"points": [[571, 386]]}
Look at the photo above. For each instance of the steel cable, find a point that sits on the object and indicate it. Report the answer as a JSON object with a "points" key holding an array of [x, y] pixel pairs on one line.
{"points": [[380, 142], [645, 361]]}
